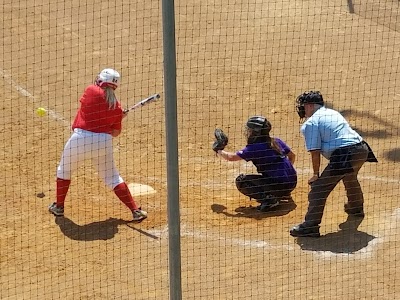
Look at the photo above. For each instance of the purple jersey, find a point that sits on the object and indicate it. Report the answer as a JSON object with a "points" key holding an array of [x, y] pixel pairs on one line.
{"points": [[268, 162]]}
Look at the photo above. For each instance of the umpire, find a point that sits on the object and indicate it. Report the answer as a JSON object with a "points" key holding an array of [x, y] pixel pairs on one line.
{"points": [[328, 133]]}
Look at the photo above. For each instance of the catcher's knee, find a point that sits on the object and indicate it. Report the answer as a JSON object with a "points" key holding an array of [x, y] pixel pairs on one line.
{"points": [[244, 185], [240, 181]]}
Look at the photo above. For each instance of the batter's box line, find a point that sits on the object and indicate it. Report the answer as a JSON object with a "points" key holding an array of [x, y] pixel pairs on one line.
{"points": [[8, 78], [213, 237], [364, 253]]}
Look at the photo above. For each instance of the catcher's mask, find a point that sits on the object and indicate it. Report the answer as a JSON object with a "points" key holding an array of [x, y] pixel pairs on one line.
{"points": [[257, 126], [312, 97], [108, 78]]}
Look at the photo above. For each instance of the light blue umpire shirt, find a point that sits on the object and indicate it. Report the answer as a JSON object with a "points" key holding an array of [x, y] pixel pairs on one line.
{"points": [[327, 130]]}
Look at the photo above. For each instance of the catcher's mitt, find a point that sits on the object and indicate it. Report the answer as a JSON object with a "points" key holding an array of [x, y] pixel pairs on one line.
{"points": [[221, 140]]}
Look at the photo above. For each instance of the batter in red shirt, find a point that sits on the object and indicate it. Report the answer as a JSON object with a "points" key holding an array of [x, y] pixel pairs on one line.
{"points": [[97, 121]]}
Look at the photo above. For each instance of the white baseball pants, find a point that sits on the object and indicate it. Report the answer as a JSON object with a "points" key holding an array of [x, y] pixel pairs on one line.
{"points": [[97, 147]]}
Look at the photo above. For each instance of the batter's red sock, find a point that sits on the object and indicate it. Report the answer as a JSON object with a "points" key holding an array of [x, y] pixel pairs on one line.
{"points": [[62, 190], [123, 193]]}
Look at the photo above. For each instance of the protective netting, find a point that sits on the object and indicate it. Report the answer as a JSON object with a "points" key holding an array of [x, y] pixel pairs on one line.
{"points": [[235, 59]]}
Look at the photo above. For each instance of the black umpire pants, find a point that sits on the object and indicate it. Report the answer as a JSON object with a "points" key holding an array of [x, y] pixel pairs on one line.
{"points": [[321, 188]]}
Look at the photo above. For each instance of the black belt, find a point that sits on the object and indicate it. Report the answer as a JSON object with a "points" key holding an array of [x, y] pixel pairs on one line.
{"points": [[352, 146]]}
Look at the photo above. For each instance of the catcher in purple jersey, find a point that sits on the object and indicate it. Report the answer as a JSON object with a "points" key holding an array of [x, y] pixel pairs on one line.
{"points": [[274, 160]]}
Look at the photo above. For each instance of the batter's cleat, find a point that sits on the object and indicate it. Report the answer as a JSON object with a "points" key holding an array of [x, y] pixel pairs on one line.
{"points": [[268, 204], [354, 212], [139, 215], [57, 211], [303, 231]]}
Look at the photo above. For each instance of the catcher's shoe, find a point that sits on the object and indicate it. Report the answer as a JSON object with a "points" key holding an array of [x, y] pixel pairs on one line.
{"points": [[139, 215], [355, 212], [302, 230], [57, 211], [286, 198], [268, 204]]}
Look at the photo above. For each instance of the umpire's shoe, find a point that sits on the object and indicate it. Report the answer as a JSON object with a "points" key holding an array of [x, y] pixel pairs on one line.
{"points": [[302, 230]]}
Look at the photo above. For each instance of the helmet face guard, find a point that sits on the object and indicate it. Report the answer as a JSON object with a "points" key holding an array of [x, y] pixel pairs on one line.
{"points": [[311, 97], [301, 111]]}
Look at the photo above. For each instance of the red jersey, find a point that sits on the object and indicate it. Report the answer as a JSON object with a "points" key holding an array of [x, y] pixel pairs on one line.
{"points": [[95, 115]]}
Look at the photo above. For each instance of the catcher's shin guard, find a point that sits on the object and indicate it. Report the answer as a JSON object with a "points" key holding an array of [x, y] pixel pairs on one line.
{"points": [[248, 188]]}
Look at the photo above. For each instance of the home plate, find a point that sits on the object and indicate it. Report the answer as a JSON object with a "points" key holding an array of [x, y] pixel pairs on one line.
{"points": [[138, 189]]}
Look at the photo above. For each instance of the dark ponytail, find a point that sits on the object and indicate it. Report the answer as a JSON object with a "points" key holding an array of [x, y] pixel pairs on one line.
{"points": [[264, 137]]}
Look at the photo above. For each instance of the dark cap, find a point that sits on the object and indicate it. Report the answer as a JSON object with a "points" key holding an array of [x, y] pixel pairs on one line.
{"points": [[313, 97], [258, 123]]}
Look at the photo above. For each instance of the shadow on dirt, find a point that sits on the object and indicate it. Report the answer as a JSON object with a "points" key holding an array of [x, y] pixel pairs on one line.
{"points": [[251, 211], [102, 230], [347, 240], [393, 155], [389, 130]]}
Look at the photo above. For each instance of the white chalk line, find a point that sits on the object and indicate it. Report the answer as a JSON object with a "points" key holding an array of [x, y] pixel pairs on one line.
{"points": [[138, 191], [224, 241], [232, 172], [51, 113], [215, 237], [197, 234], [218, 238], [8, 78], [364, 253], [391, 222]]}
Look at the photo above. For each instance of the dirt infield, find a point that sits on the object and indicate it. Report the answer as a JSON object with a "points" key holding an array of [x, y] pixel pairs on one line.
{"points": [[234, 59]]}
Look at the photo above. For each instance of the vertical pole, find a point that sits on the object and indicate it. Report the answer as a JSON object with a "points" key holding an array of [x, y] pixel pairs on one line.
{"points": [[350, 6], [169, 47]]}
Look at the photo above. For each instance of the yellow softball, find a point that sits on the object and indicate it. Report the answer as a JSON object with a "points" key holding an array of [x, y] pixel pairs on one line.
{"points": [[41, 112]]}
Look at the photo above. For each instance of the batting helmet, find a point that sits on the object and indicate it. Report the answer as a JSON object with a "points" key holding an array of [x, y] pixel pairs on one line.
{"points": [[108, 78], [312, 97]]}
